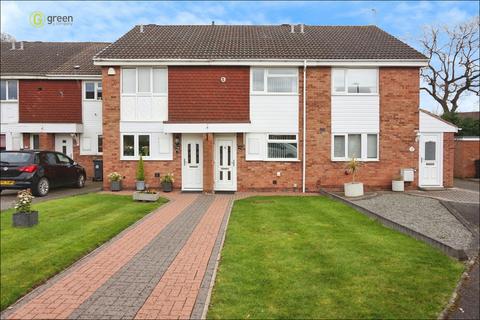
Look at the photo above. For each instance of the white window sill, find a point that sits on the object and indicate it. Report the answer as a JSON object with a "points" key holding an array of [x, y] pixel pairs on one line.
{"points": [[282, 160], [360, 160], [8, 101], [146, 159], [274, 94]]}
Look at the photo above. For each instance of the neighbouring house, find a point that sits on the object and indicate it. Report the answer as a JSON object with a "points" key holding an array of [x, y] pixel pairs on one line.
{"points": [[467, 151], [51, 98], [278, 107]]}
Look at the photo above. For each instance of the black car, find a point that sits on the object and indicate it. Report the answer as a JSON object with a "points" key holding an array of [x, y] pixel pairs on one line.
{"points": [[39, 171]]}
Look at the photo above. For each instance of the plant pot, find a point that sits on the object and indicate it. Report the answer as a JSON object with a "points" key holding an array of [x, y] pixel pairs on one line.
{"points": [[353, 189], [25, 219], [140, 185], [398, 185], [115, 185], [167, 186], [143, 196]]}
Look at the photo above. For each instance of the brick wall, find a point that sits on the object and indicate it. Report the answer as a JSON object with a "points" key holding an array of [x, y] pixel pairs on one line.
{"points": [[85, 161], [399, 100], [50, 101], [196, 94], [448, 159], [466, 152], [111, 144], [47, 141]]}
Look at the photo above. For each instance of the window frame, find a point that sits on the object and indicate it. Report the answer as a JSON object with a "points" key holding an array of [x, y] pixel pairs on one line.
{"points": [[7, 84], [345, 92], [95, 91], [265, 81], [147, 93], [268, 140], [364, 146], [136, 155], [32, 141], [100, 137]]}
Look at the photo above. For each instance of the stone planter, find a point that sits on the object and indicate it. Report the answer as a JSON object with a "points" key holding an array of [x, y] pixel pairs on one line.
{"points": [[143, 196], [353, 189], [140, 185], [115, 185], [25, 219], [167, 186], [398, 185]]}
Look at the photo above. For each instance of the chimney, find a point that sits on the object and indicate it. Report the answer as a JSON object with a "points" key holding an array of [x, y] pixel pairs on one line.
{"points": [[302, 27], [141, 28], [13, 45], [21, 45], [292, 28]]}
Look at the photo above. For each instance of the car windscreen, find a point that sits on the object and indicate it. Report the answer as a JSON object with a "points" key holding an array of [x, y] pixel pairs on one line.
{"points": [[15, 157]]}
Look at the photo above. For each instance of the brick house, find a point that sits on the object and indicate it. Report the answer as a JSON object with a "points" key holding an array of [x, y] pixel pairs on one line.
{"points": [[51, 98], [226, 108]]}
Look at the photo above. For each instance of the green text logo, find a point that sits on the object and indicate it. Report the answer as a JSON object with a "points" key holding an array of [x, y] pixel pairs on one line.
{"points": [[37, 19]]}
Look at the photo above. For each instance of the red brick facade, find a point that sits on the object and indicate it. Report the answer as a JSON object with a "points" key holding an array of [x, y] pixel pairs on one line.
{"points": [[197, 94], [50, 101], [466, 152], [448, 159], [399, 124]]}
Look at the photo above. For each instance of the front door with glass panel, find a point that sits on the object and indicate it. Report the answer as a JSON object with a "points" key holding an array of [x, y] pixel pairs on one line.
{"points": [[192, 162], [225, 163], [64, 144], [430, 160]]}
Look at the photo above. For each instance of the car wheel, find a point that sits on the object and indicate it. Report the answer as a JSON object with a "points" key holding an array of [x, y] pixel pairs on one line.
{"points": [[42, 187], [80, 181]]}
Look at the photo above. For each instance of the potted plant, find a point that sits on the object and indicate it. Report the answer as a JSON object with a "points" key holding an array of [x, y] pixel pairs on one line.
{"points": [[353, 189], [149, 195], [398, 183], [24, 216], [140, 181], [167, 182], [115, 179]]}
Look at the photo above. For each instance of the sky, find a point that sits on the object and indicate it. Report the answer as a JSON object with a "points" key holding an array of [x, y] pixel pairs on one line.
{"points": [[107, 21]]}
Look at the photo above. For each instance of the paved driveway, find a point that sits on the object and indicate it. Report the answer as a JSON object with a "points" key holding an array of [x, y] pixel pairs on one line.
{"points": [[7, 198], [160, 268]]}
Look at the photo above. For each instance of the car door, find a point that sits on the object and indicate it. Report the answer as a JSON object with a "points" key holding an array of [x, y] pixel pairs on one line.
{"points": [[66, 169], [48, 160]]}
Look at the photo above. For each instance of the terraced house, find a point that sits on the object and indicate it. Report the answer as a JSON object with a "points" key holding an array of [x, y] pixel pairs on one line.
{"points": [[282, 107], [51, 98], [227, 108]]}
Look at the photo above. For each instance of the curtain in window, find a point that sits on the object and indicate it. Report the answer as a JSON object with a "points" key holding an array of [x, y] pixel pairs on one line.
{"points": [[339, 146], [128, 80]]}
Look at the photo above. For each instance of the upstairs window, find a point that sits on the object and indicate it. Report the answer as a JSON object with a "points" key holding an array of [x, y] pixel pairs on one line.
{"points": [[354, 81], [274, 80], [144, 81], [8, 90], [93, 90]]}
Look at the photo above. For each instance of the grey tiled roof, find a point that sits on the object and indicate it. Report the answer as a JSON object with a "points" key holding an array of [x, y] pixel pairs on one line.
{"points": [[57, 58], [258, 42]]}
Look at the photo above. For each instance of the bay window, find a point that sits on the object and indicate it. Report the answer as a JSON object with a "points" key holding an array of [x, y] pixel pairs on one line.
{"points": [[274, 80], [8, 90], [354, 81], [362, 146], [144, 81], [282, 147]]}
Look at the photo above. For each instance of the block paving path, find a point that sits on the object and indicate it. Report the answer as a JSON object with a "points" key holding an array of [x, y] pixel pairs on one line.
{"points": [[160, 268]]}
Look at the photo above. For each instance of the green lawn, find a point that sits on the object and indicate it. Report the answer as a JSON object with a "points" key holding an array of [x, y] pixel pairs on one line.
{"points": [[312, 257], [68, 229]]}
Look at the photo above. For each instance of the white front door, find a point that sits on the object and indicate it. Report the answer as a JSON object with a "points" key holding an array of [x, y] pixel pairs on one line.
{"points": [[192, 162], [431, 160], [225, 163], [64, 144]]}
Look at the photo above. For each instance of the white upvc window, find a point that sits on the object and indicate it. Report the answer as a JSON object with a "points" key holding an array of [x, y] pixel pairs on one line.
{"points": [[9, 90], [135, 144], [144, 81], [93, 90], [361, 146], [100, 144], [274, 80], [282, 147], [354, 81]]}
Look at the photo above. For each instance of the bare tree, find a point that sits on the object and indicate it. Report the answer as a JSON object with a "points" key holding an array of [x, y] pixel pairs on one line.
{"points": [[453, 70], [5, 37]]}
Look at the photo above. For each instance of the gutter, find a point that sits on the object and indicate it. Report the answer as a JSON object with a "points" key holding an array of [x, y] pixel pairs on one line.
{"points": [[304, 124]]}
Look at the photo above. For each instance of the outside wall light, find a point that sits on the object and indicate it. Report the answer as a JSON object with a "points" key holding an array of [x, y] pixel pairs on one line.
{"points": [[111, 71], [177, 143]]}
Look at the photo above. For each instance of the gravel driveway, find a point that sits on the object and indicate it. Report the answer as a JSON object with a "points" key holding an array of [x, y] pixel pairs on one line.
{"points": [[424, 215]]}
